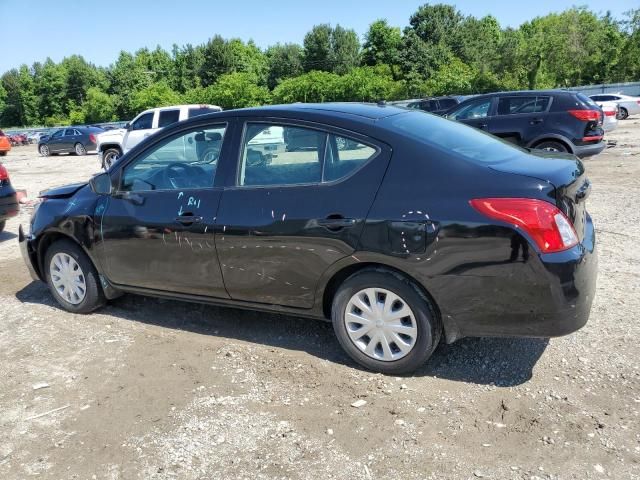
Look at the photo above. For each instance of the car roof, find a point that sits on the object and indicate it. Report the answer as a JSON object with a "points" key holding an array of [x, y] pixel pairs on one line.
{"points": [[371, 111]]}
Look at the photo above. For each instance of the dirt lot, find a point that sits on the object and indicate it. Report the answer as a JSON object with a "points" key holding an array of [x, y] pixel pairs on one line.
{"points": [[147, 388]]}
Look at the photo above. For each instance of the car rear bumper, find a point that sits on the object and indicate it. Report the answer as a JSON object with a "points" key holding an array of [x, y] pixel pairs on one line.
{"points": [[9, 206], [589, 150], [549, 295], [29, 254]]}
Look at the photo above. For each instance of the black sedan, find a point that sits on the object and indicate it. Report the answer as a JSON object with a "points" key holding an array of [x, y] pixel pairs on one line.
{"points": [[428, 230], [75, 140], [8, 202]]}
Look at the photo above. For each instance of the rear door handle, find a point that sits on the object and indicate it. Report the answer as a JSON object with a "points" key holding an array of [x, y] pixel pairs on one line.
{"points": [[536, 120], [188, 219], [336, 223]]}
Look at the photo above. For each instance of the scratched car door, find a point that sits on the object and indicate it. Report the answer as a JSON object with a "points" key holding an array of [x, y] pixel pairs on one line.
{"points": [[157, 229]]}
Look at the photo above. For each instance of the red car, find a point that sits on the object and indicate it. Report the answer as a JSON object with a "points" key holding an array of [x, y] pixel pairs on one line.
{"points": [[5, 144]]}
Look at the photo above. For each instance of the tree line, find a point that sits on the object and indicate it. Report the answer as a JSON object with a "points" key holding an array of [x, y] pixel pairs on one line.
{"points": [[441, 51]]}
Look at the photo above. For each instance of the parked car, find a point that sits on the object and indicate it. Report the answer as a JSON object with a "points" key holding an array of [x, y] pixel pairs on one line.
{"points": [[429, 230], [437, 105], [114, 143], [611, 112], [9, 206], [5, 144], [552, 120], [18, 139], [628, 105], [74, 140], [35, 137]]}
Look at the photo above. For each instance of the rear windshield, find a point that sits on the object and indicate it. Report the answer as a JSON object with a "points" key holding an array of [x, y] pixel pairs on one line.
{"points": [[586, 100], [451, 136]]}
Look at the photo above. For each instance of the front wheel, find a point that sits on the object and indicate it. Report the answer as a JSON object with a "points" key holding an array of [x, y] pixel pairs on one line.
{"points": [[384, 322], [79, 149], [72, 278], [44, 150], [109, 157], [623, 113]]}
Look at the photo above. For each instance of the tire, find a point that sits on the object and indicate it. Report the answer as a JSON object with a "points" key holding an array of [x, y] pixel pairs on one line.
{"points": [[422, 328], [551, 146], [623, 114], [58, 254], [44, 150], [2, 225], [109, 157], [3, 154], [79, 149]]}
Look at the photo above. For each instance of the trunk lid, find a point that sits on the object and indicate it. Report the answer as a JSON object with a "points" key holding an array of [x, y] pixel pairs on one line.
{"points": [[565, 172]]}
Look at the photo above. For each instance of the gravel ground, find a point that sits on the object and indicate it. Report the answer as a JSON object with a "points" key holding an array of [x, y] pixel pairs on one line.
{"points": [[153, 389]]}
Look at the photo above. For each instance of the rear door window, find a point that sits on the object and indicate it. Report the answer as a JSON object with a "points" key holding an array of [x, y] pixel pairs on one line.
{"points": [[521, 104], [290, 155], [167, 117]]}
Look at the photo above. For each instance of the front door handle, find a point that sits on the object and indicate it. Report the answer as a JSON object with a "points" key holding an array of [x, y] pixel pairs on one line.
{"points": [[483, 125], [536, 120], [188, 219]]}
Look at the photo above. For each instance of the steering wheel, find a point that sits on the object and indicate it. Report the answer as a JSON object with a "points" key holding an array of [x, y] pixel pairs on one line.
{"points": [[179, 175]]}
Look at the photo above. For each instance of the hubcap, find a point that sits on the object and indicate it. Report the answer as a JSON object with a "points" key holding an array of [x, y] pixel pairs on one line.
{"points": [[381, 324], [44, 150], [67, 278], [110, 158], [79, 149]]}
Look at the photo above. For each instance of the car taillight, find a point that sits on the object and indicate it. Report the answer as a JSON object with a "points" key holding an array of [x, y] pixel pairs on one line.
{"points": [[586, 115], [4, 175], [610, 113], [92, 138], [545, 224]]}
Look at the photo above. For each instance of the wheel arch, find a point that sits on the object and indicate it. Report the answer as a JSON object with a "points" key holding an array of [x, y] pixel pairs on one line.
{"points": [[47, 239], [338, 277], [106, 146], [552, 137]]}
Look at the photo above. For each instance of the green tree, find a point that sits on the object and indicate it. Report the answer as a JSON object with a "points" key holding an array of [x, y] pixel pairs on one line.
{"points": [[284, 61], [310, 87], [345, 50], [127, 77], [50, 87], [98, 106], [317, 49], [157, 95], [233, 90], [382, 44]]}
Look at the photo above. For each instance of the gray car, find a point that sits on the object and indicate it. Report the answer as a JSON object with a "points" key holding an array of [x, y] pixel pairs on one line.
{"points": [[74, 140]]}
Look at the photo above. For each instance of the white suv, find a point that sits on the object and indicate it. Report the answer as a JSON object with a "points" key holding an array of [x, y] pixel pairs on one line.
{"points": [[112, 144]]}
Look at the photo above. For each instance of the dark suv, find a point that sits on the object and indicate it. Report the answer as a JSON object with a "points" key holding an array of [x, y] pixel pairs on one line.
{"points": [[437, 105], [552, 120]]}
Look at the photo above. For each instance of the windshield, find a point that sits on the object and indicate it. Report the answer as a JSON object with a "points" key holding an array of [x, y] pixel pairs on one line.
{"points": [[451, 136]]}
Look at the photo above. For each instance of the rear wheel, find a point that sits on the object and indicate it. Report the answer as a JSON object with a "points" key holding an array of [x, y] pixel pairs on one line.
{"points": [[623, 113], [384, 322], [79, 149], [2, 154], [2, 225], [44, 150], [551, 146], [72, 278]]}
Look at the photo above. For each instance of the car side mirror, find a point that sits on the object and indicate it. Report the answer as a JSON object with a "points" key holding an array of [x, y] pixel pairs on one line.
{"points": [[127, 126], [101, 184]]}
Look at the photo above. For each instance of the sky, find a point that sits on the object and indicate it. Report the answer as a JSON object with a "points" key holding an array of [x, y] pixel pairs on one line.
{"points": [[32, 30]]}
